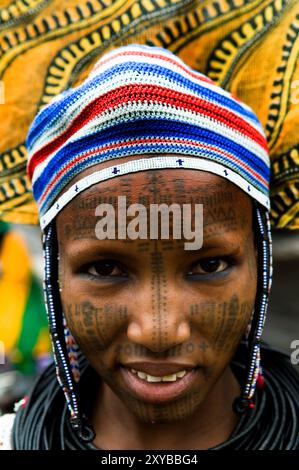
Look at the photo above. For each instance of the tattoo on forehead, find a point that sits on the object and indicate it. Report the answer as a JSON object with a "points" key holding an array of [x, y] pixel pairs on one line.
{"points": [[224, 215], [217, 198], [92, 197], [93, 200], [80, 227], [158, 189], [155, 184], [220, 220]]}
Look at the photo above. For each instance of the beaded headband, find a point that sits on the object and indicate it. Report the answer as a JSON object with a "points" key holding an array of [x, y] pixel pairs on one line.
{"points": [[141, 100]]}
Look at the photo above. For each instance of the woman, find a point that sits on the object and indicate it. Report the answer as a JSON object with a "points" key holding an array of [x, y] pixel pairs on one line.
{"points": [[169, 337]]}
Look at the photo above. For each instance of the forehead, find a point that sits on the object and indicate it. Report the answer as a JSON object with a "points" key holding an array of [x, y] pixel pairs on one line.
{"points": [[181, 185], [226, 208]]}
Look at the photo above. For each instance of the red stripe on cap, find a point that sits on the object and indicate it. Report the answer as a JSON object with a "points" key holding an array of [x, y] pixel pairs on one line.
{"points": [[143, 93]]}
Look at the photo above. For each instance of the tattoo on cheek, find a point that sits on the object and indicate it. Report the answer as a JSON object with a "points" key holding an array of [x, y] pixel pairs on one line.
{"points": [[225, 321], [94, 326]]}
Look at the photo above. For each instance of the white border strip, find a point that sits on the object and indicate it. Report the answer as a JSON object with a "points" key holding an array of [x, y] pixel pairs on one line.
{"points": [[154, 163]]}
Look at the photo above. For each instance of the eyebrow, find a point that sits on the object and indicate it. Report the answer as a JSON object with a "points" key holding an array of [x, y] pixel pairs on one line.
{"points": [[121, 248]]}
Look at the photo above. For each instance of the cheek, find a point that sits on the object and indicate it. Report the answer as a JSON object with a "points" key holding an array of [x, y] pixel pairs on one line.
{"points": [[221, 323], [81, 317], [94, 327], [221, 314], [95, 318]]}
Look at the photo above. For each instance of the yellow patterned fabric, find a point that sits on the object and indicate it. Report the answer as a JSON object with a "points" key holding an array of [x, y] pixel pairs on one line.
{"points": [[249, 47]]}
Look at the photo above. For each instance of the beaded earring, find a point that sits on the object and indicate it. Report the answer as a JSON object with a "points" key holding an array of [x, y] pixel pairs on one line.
{"points": [[254, 371], [72, 350], [64, 372], [70, 342]]}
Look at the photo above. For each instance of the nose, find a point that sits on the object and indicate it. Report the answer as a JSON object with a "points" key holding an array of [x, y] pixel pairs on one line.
{"points": [[158, 321]]}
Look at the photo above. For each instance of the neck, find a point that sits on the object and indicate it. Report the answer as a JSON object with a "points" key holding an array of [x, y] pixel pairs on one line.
{"points": [[211, 424]]}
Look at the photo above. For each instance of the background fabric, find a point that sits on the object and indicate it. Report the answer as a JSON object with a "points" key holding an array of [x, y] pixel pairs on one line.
{"points": [[249, 47]]}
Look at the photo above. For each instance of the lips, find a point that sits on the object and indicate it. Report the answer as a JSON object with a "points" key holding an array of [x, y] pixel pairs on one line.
{"points": [[167, 384], [159, 369]]}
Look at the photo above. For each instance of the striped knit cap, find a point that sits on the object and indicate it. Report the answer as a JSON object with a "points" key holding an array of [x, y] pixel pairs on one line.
{"points": [[144, 100]]}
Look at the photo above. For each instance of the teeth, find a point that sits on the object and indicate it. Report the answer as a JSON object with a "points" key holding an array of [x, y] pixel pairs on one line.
{"points": [[151, 378], [165, 378], [141, 375], [181, 373], [169, 378]]}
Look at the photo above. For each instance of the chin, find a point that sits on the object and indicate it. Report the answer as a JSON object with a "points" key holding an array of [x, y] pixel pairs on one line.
{"points": [[164, 413]]}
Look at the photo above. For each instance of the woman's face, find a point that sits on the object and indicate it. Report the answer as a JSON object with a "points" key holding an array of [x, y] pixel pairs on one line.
{"points": [[150, 305]]}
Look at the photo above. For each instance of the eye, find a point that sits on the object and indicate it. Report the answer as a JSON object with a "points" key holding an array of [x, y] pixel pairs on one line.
{"points": [[209, 266], [105, 268]]}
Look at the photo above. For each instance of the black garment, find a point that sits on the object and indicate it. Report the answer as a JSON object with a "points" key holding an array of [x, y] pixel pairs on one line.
{"points": [[273, 424]]}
